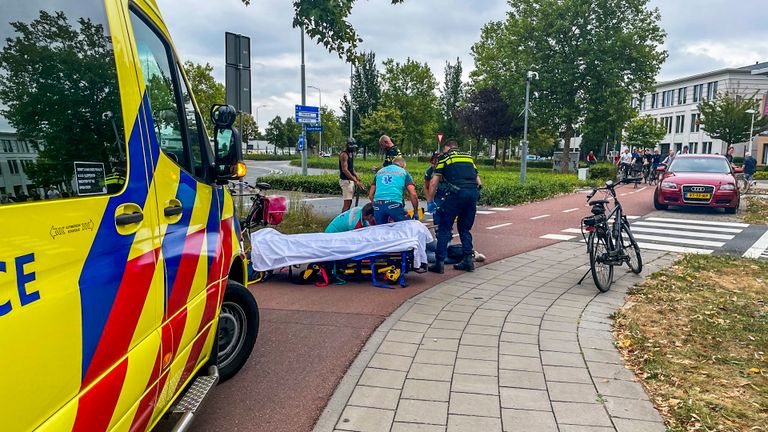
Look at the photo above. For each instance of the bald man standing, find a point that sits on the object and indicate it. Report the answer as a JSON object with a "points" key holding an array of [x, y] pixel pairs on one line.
{"points": [[390, 150]]}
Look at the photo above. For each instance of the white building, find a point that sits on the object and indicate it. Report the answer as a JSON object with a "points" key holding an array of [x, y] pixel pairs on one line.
{"points": [[675, 104], [15, 157]]}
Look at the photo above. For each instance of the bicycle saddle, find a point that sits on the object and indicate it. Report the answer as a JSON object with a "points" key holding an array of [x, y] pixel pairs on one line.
{"points": [[263, 186], [597, 202]]}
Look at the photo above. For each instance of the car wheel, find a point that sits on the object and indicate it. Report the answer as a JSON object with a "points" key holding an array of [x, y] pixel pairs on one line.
{"points": [[237, 330], [656, 204]]}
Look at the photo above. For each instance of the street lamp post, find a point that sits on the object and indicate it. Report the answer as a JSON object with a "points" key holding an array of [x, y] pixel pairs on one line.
{"points": [[303, 102], [751, 111], [320, 115], [524, 143], [257, 124]]}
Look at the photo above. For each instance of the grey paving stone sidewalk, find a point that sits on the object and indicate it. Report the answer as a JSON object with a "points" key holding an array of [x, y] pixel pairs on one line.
{"points": [[514, 346]]}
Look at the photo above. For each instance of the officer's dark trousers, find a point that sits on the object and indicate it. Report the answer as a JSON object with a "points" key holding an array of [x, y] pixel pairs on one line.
{"points": [[462, 204]]}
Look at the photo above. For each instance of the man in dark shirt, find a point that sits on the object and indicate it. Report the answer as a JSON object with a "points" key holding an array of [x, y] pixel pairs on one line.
{"points": [[457, 170], [390, 150], [348, 178]]}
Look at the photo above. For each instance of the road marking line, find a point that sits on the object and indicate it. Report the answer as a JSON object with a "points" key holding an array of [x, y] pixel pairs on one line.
{"points": [[570, 210], [670, 248], [681, 233], [679, 240], [318, 199], [633, 217], [499, 226], [557, 237], [758, 248], [689, 227], [641, 189], [699, 222], [539, 217], [500, 209], [484, 212], [572, 230], [624, 194]]}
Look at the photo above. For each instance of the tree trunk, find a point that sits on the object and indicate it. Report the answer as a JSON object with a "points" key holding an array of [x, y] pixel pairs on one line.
{"points": [[564, 165], [495, 152]]}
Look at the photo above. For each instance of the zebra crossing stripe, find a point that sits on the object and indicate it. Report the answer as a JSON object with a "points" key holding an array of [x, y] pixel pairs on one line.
{"points": [[758, 248], [643, 229], [671, 248], [484, 212], [572, 230], [667, 239], [502, 209], [699, 222], [689, 227]]}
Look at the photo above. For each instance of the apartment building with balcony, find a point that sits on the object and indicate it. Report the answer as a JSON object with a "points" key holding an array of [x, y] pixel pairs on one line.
{"points": [[675, 104]]}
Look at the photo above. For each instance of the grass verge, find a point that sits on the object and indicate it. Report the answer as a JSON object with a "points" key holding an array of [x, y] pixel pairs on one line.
{"points": [[303, 220], [696, 335], [757, 211]]}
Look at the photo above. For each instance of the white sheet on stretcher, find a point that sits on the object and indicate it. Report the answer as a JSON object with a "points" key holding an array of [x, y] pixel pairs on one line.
{"points": [[272, 250]]}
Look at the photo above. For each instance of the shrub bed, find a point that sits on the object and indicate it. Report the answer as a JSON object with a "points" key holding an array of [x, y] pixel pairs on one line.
{"points": [[499, 188], [602, 171]]}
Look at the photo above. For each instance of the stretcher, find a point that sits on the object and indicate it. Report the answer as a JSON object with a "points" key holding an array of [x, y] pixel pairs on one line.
{"points": [[384, 252]]}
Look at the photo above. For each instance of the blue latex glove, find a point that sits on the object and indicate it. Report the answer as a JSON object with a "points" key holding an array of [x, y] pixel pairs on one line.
{"points": [[431, 207]]}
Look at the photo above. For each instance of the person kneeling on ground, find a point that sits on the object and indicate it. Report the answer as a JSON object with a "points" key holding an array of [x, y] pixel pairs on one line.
{"points": [[352, 219], [387, 191]]}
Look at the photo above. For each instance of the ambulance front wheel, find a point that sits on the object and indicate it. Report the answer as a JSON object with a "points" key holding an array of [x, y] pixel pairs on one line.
{"points": [[237, 330]]}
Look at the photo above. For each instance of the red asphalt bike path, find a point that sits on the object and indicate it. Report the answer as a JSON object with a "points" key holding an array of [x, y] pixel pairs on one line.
{"points": [[310, 335]]}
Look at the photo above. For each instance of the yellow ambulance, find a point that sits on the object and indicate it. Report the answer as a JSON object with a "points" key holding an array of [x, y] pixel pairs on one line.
{"points": [[121, 266]]}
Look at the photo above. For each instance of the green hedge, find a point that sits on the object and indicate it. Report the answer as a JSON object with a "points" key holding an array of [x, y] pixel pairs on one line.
{"points": [[761, 175], [499, 188], [602, 171], [271, 157]]}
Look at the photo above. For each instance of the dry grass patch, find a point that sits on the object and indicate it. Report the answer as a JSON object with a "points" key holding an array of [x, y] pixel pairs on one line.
{"points": [[696, 334], [757, 211]]}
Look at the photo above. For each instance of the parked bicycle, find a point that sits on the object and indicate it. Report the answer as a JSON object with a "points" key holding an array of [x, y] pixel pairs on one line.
{"points": [[609, 240], [264, 210]]}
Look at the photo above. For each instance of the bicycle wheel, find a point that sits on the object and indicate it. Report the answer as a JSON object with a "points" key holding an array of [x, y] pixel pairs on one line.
{"points": [[629, 244], [602, 272]]}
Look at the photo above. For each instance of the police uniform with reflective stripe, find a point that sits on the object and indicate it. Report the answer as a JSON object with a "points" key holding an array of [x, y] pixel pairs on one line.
{"points": [[459, 174], [390, 155], [114, 182]]}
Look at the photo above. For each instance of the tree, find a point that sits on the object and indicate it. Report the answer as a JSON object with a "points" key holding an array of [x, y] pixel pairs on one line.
{"points": [[725, 118], [385, 120], [644, 132], [344, 106], [275, 133], [206, 89], [333, 137], [250, 130], [488, 114], [410, 88], [292, 133], [591, 58], [366, 85], [58, 81], [451, 95]]}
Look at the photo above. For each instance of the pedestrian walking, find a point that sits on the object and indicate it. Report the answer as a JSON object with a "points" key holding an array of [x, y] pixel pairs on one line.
{"points": [[750, 166], [387, 192], [348, 178], [390, 150], [457, 170]]}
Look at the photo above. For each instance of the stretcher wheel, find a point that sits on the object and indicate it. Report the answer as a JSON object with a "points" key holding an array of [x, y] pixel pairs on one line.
{"points": [[260, 276]]}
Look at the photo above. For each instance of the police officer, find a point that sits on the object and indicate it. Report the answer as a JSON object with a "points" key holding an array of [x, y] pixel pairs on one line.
{"points": [[115, 181], [458, 173]]}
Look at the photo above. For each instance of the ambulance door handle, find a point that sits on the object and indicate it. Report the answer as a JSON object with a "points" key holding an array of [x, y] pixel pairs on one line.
{"points": [[129, 218], [173, 210]]}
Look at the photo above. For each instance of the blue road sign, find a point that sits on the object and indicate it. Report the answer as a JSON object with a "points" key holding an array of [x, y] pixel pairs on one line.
{"points": [[313, 128], [300, 145], [307, 114]]}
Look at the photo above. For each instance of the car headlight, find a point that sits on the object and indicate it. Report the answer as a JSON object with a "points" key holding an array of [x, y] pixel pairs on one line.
{"points": [[728, 187], [668, 185]]}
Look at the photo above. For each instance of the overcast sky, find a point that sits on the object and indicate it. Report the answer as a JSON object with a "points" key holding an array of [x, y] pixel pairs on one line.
{"points": [[702, 35]]}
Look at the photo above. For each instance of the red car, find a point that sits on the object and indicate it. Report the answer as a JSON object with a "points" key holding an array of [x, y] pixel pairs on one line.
{"points": [[698, 180]]}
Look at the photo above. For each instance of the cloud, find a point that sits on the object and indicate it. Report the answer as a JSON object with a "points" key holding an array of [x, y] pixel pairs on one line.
{"points": [[732, 54]]}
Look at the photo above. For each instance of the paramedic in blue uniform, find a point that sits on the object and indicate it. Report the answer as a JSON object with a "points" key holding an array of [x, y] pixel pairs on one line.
{"points": [[352, 219], [387, 192], [457, 173]]}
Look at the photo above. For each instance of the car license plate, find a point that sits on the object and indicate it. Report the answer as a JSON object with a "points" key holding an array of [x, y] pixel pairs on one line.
{"points": [[695, 195]]}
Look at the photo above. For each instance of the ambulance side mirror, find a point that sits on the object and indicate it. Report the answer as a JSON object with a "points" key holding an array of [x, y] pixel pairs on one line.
{"points": [[227, 144]]}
